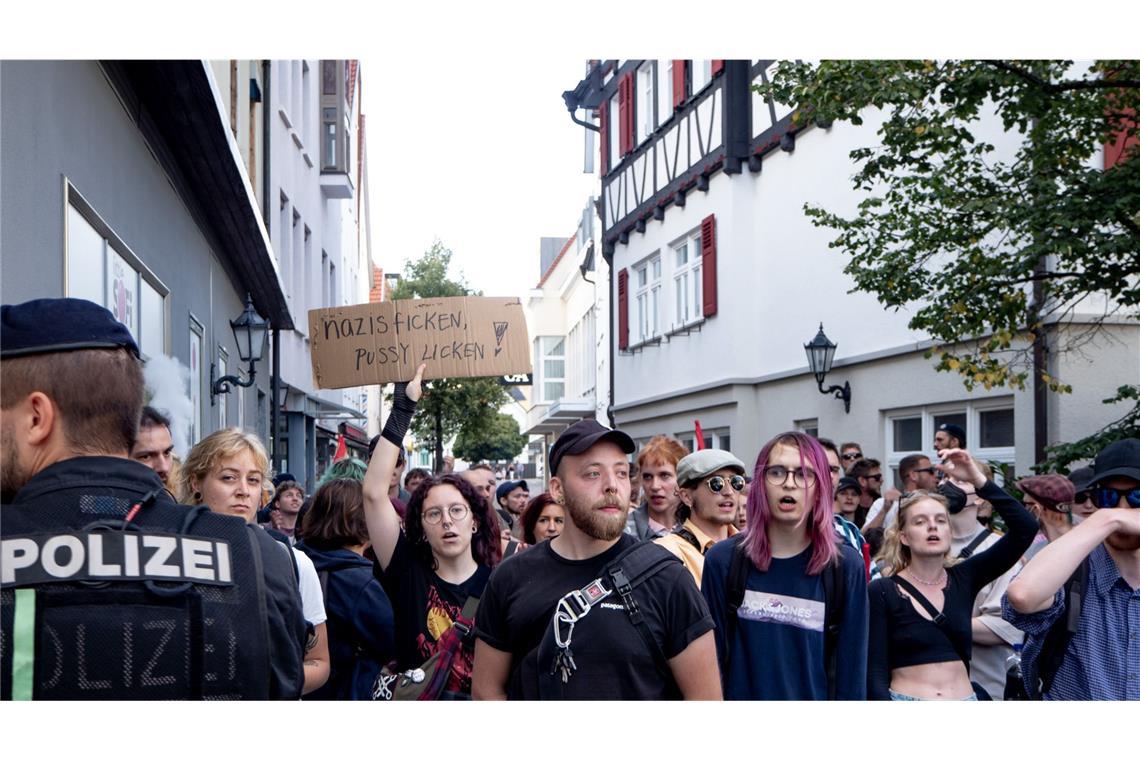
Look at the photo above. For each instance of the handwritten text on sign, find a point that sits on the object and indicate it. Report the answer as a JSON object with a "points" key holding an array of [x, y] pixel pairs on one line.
{"points": [[382, 342]]}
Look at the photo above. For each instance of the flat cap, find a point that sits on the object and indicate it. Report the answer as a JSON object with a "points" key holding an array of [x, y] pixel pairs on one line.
{"points": [[54, 325], [705, 462], [1050, 490]]}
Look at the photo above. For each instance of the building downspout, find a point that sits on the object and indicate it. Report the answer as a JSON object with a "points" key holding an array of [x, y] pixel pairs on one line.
{"points": [[275, 400]]}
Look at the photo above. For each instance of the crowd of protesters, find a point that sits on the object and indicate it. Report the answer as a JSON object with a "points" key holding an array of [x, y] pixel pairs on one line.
{"points": [[656, 573]]}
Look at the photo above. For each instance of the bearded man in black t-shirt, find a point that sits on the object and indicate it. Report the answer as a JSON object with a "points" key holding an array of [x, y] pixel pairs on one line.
{"points": [[652, 641]]}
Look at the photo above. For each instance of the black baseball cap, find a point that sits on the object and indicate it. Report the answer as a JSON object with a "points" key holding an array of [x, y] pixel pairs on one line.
{"points": [[849, 483], [1119, 458], [581, 436], [1080, 478], [507, 486], [955, 431], [54, 325]]}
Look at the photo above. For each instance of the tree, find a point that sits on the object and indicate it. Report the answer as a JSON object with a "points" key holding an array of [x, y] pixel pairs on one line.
{"points": [[449, 405], [991, 253], [498, 440]]}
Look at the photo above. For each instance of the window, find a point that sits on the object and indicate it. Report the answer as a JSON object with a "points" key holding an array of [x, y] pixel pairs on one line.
{"points": [[646, 102], [702, 74], [195, 379], [615, 128], [284, 238], [647, 281], [713, 439], [810, 427], [687, 279], [989, 427], [102, 269], [582, 366], [550, 361], [304, 117]]}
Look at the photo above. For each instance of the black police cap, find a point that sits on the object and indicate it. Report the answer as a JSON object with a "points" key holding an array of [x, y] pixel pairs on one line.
{"points": [[53, 325]]}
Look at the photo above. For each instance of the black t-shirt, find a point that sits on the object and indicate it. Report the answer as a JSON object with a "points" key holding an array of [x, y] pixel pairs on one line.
{"points": [[424, 606], [613, 661]]}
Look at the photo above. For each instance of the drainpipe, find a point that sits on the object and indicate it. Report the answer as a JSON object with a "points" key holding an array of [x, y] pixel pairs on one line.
{"points": [[275, 395]]}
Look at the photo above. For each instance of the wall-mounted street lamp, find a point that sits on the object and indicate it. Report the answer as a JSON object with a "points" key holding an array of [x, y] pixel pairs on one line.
{"points": [[249, 334], [820, 353]]}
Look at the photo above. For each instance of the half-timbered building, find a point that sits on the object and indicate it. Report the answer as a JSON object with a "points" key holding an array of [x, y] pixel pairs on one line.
{"points": [[718, 279]]}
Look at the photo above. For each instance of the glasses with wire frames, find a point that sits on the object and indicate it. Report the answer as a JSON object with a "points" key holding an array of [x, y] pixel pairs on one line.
{"points": [[718, 483], [455, 512], [777, 475]]}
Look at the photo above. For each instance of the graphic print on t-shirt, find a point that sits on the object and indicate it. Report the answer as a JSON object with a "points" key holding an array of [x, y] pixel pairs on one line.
{"points": [[439, 616], [763, 607]]}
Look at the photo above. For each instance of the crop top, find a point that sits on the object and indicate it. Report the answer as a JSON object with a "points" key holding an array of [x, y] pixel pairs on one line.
{"points": [[900, 636]]}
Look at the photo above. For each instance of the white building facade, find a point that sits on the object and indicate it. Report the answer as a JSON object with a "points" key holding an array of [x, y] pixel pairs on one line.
{"points": [[568, 317], [719, 280]]}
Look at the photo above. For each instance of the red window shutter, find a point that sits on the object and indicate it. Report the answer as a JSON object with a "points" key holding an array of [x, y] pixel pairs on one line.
{"points": [[717, 66], [1114, 151], [708, 264], [630, 106], [623, 114], [678, 83], [604, 139], [623, 309]]}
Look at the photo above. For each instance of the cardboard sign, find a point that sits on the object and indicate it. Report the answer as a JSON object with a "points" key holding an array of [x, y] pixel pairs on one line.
{"points": [[382, 342]]}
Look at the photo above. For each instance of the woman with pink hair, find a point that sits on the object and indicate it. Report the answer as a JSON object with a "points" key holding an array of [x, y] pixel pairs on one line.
{"points": [[788, 598]]}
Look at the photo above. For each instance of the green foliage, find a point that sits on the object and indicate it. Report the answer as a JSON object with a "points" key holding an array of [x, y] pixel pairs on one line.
{"points": [[986, 249], [499, 439], [453, 404]]}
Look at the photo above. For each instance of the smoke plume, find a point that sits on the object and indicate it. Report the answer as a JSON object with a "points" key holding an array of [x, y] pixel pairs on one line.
{"points": [[167, 381]]}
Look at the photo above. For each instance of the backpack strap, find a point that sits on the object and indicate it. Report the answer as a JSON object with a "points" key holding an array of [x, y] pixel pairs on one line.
{"points": [[970, 548], [834, 600], [936, 617], [1057, 638], [630, 569], [738, 566], [687, 534]]}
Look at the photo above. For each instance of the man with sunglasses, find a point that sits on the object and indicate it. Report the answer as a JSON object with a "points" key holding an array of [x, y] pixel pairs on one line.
{"points": [[712, 487], [1100, 658], [1082, 504], [849, 454], [916, 473]]}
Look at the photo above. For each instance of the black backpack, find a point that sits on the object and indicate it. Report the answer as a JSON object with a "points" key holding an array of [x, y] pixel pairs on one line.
{"points": [[1059, 635], [833, 600]]}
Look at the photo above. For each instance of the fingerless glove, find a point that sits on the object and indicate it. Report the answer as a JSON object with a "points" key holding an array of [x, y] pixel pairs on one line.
{"points": [[401, 417]]}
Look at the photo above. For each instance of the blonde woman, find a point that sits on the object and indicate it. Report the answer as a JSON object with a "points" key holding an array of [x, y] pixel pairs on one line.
{"points": [[226, 471], [920, 632]]}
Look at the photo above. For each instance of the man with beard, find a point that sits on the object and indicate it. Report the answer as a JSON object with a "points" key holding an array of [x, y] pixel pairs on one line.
{"points": [[712, 482], [512, 497], [1099, 650], [154, 446], [94, 621], [593, 613]]}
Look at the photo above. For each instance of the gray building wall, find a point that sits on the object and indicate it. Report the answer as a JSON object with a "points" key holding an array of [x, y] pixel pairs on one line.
{"points": [[62, 121], [754, 410]]}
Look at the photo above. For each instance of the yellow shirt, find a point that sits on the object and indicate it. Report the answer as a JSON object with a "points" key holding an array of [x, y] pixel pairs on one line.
{"points": [[694, 560]]}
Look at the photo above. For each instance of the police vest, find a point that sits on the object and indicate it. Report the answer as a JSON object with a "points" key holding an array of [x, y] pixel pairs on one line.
{"points": [[168, 604]]}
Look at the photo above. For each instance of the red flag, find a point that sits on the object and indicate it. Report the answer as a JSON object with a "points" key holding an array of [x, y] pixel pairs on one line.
{"points": [[700, 435], [341, 449]]}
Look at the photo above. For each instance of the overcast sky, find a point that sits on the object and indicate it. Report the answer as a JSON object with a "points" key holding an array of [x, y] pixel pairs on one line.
{"points": [[483, 157]]}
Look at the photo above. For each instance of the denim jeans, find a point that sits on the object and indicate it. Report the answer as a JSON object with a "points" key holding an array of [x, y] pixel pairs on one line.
{"points": [[896, 697]]}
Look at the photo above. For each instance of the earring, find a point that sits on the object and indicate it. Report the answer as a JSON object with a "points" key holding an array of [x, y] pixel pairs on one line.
{"points": [[197, 496], [474, 528]]}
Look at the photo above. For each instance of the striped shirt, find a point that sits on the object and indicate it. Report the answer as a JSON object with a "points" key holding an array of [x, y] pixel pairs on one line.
{"points": [[1103, 658]]}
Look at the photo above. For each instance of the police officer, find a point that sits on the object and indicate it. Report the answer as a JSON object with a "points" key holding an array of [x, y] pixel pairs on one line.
{"points": [[108, 588]]}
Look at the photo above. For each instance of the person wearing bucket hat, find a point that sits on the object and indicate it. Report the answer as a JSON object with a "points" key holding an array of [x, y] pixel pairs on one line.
{"points": [[593, 613], [1093, 570], [711, 482]]}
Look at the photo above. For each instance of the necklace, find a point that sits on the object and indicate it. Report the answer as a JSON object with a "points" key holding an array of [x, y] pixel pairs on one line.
{"points": [[936, 582]]}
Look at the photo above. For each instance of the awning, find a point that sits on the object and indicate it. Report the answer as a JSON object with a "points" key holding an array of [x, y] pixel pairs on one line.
{"points": [[562, 415]]}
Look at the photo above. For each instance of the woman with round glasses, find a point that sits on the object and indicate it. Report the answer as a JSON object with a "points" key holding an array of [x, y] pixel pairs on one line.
{"points": [[443, 557], [711, 483], [785, 636], [921, 637]]}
